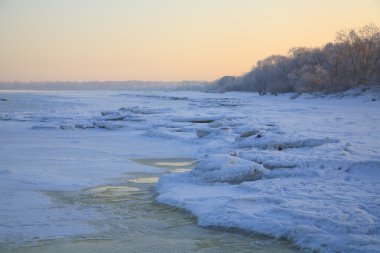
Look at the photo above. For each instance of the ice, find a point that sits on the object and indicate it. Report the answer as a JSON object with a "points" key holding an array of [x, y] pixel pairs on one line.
{"points": [[198, 119], [45, 127], [57, 147], [109, 125], [207, 132], [317, 174], [249, 133], [226, 169], [323, 214], [279, 143], [305, 169]]}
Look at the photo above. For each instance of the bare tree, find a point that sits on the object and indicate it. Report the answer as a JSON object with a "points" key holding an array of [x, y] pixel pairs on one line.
{"points": [[361, 48]]}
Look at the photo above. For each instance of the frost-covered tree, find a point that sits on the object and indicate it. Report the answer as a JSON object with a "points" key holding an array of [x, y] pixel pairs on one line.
{"points": [[271, 75], [352, 60]]}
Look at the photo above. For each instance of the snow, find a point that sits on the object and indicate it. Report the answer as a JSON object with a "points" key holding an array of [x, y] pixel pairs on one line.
{"points": [[304, 169], [40, 156], [320, 213], [226, 169]]}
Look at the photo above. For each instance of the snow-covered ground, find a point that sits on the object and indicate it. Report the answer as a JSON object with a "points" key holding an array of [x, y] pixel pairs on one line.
{"points": [[305, 169]]}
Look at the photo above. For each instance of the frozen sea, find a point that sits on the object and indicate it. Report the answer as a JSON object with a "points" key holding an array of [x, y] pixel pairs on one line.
{"points": [[132, 171]]}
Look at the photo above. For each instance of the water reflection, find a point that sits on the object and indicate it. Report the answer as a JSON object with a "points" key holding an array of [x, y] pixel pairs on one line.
{"points": [[144, 180], [168, 163]]}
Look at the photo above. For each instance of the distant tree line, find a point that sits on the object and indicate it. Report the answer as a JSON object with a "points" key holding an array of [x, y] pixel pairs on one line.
{"points": [[351, 61], [106, 85]]}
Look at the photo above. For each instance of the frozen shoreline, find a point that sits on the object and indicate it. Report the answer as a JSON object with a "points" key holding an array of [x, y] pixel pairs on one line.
{"points": [[320, 191], [306, 169]]}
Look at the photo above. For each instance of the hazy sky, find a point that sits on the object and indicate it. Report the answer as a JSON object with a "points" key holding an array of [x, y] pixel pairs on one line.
{"points": [[78, 40]]}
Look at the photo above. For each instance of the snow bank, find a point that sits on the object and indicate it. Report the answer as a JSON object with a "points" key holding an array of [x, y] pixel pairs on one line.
{"points": [[337, 212]]}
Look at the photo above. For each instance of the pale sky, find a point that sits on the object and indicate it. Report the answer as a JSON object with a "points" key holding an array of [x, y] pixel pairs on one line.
{"points": [[163, 40]]}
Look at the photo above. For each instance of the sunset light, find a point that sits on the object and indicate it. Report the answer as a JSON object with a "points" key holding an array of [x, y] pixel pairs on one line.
{"points": [[162, 40]]}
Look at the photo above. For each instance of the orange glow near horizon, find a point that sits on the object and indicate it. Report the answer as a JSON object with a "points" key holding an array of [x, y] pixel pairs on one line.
{"points": [[162, 40]]}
